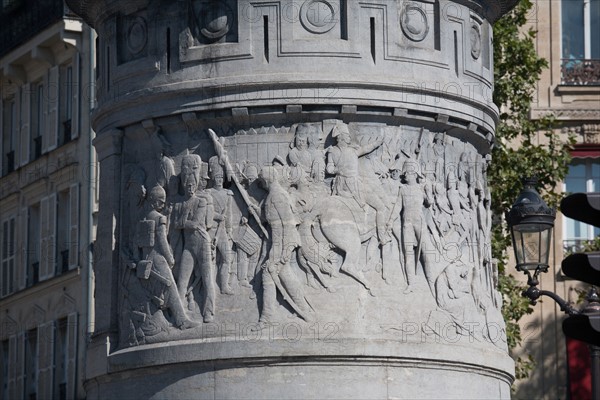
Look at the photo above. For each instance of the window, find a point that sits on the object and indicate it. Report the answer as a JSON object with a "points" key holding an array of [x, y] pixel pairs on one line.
{"points": [[580, 23], [37, 121], [9, 5], [33, 245], [9, 135], [63, 237], [7, 256], [68, 109], [584, 176], [61, 359], [31, 364], [4, 369]]}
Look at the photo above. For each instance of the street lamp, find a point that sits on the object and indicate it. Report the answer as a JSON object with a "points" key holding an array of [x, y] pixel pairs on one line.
{"points": [[531, 222]]}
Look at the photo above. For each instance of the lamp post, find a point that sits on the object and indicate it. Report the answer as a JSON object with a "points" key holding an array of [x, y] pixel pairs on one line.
{"points": [[531, 222]]}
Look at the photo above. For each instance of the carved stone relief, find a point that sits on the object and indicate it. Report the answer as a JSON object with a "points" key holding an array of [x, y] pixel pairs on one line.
{"points": [[133, 31], [303, 219], [318, 16], [475, 39], [214, 20], [586, 133], [414, 22]]}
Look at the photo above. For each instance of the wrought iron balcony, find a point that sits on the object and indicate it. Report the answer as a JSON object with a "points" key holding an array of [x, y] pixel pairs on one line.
{"points": [[571, 246], [580, 71], [20, 20]]}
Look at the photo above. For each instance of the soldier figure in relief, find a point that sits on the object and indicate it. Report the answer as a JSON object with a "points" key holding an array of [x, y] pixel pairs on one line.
{"points": [[433, 156], [191, 218], [412, 198], [285, 240], [222, 233], [300, 155], [342, 161], [247, 256], [156, 260]]}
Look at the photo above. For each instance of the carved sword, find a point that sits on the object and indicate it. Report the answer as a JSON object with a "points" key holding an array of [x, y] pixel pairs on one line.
{"points": [[231, 174]]}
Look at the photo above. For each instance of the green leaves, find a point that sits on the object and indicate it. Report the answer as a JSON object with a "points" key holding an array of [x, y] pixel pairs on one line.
{"points": [[524, 147]]}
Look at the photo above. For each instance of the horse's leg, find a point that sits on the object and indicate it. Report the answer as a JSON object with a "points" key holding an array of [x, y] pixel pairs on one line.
{"points": [[344, 236]]}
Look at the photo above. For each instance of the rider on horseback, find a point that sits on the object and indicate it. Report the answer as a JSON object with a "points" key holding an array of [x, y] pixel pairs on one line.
{"points": [[342, 161]]}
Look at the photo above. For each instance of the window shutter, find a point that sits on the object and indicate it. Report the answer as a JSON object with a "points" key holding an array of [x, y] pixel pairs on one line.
{"points": [[25, 133], [53, 100], [51, 238], [20, 366], [74, 229], [46, 361], [75, 92], [12, 248], [43, 238], [4, 238], [16, 130], [22, 251], [12, 372], [43, 103], [72, 355]]}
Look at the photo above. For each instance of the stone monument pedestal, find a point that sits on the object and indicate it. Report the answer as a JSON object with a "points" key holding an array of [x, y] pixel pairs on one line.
{"points": [[303, 369], [294, 201]]}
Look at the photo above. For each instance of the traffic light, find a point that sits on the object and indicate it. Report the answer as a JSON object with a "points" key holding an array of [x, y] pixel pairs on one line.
{"points": [[585, 267]]}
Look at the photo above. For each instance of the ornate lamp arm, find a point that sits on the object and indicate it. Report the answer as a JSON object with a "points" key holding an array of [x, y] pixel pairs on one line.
{"points": [[533, 293]]}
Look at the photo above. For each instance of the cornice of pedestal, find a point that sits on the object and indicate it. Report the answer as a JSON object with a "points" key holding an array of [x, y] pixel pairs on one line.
{"points": [[94, 11], [108, 143]]}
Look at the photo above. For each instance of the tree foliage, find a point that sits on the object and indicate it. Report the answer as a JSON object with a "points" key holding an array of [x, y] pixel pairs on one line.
{"points": [[524, 147]]}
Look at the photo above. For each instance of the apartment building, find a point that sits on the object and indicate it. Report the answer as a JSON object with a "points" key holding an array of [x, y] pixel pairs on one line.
{"points": [[47, 198], [569, 38]]}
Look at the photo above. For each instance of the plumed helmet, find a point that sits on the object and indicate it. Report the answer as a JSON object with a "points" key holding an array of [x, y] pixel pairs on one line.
{"points": [[215, 168]]}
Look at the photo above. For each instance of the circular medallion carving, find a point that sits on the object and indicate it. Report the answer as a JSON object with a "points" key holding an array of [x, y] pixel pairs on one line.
{"points": [[215, 20], [414, 22], [137, 36], [317, 16], [475, 36]]}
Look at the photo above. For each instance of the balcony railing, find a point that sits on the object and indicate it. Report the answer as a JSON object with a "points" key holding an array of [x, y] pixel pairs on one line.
{"points": [[580, 71], [23, 19], [573, 245]]}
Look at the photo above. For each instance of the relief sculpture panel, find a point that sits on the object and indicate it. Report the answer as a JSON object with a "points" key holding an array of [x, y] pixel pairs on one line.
{"points": [[316, 223]]}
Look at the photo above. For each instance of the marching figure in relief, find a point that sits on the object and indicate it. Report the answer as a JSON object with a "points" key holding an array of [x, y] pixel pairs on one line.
{"points": [[247, 239], [156, 260], [394, 223], [317, 174], [221, 234], [300, 155], [412, 197], [433, 156], [190, 220], [342, 161], [285, 240], [160, 168]]}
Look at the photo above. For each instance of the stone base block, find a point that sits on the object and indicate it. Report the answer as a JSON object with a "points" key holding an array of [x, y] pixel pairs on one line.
{"points": [[287, 370]]}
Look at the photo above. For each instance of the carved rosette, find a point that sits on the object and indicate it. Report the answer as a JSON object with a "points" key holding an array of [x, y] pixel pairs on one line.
{"points": [[414, 22]]}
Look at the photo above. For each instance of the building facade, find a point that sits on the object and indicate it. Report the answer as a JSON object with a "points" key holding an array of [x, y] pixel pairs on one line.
{"points": [[569, 38], [47, 180]]}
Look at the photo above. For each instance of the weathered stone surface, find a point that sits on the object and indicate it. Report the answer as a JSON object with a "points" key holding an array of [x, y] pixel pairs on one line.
{"points": [[303, 200]]}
